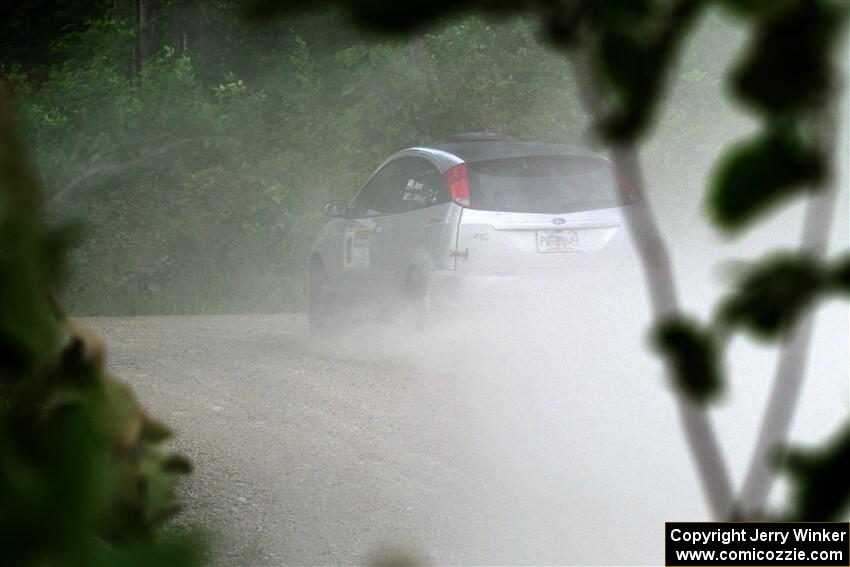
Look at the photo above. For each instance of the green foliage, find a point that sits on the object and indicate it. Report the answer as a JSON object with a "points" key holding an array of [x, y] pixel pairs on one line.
{"points": [[839, 276], [773, 294], [84, 479], [27, 29], [636, 46], [819, 488], [787, 74], [201, 179], [788, 67], [693, 354], [756, 176], [633, 42], [201, 193]]}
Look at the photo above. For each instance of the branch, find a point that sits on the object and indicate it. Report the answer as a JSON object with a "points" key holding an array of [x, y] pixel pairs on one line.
{"points": [[658, 274], [790, 369]]}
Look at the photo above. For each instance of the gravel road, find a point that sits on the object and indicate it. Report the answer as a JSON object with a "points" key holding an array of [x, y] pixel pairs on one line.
{"points": [[542, 444], [301, 456]]}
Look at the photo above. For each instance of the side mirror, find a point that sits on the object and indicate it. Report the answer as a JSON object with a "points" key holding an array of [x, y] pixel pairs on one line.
{"points": [[338, 209]]}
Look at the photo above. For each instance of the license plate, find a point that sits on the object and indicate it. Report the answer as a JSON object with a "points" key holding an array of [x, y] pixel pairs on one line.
{"points": [[564, 240]]}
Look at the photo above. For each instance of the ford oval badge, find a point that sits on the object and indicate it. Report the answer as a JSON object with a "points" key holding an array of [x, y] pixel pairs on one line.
{"points": [[558, 221]]}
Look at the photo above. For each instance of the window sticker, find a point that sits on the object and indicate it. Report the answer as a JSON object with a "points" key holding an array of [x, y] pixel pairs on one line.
{"points": [[356, 254], [414, 192]]}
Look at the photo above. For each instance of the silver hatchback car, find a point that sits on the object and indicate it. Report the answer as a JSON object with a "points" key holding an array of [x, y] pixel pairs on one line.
{"points": [[439, 224]]}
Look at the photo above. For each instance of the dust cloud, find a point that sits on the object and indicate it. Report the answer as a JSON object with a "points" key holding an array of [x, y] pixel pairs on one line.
{"points": [[566, 410]]}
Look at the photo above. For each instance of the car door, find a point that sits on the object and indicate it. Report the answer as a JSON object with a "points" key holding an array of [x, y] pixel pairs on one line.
{"points": [[390, 225], [419, 233], [364, 263]]}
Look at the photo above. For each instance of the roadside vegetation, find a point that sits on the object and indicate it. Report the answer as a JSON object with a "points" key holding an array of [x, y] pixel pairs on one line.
{"points": [[85, 478], [197, 150], [200, 179]]}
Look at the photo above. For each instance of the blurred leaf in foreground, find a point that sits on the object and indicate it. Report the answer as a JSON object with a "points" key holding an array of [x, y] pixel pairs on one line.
{"points": [[84, 479], [787, 67], [839, 275], [386, 16], [820, 479], [771, 296], [693, 354], [756, 175], [637, 43]]}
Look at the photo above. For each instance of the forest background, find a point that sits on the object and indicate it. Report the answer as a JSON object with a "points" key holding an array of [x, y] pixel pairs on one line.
{"points": [[196, 150]]}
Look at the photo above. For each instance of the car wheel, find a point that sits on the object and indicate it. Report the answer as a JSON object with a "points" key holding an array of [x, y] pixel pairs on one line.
{"points": [[321, 306]]}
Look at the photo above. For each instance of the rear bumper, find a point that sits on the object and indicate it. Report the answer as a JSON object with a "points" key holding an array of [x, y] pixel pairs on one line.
{"points": [[448, 289]]}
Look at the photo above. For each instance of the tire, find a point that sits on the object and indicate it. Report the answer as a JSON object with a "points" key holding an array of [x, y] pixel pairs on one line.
{"points": [[322, 308]]}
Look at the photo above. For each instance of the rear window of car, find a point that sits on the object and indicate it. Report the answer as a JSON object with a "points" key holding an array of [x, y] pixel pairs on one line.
{"points": [[543, 184]]}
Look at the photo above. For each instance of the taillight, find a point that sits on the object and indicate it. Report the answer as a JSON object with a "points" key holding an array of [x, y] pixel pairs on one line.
{"points": [[457, 180]]}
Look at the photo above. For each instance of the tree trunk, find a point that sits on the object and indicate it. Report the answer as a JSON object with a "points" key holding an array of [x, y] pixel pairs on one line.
{"points": [[137, 37], [177, 28], [151, 42], [658, 275]]}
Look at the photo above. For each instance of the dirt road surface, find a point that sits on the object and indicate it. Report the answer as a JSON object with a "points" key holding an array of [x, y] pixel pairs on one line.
{"points": [[530, 446]]}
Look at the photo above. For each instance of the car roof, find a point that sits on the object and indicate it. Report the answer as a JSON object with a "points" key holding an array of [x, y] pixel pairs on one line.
{"points": [[479, 150]]}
